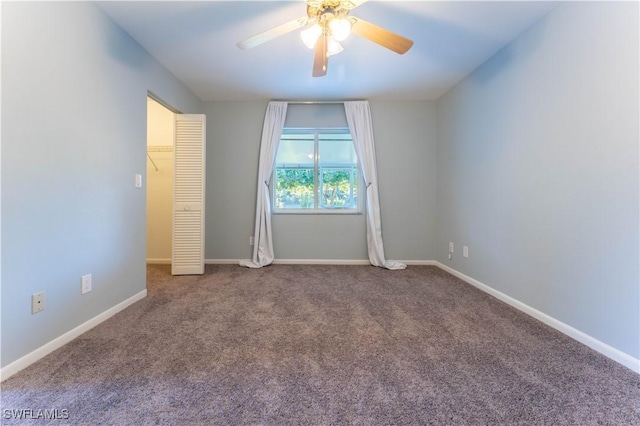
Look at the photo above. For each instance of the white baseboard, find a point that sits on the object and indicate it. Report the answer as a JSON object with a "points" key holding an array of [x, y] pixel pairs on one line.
{"points": [[292, 261], [155, 261], [222, 261], [419, 262], [58, 342], [595, 344], [347, 262], [319, 262]]}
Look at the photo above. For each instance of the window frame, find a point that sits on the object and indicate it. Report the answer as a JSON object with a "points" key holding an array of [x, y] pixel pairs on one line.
{"points": [[317, 209]]}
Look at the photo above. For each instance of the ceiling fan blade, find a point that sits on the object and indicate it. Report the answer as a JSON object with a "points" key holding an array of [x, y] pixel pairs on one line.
{"points": [[320, 58], [278, 31], [379, 35]]}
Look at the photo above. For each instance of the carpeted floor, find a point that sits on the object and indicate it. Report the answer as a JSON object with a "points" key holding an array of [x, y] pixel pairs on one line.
{"points": [[324, 345]]}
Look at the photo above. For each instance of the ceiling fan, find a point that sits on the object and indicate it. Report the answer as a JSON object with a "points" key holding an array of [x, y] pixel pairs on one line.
{"points": [[329, 23]]}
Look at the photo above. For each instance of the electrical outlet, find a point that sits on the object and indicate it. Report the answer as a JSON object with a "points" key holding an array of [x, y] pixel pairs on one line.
{"points": [[465, 251], [85, 284], [450, 247], [37, 302], [250, 241]]}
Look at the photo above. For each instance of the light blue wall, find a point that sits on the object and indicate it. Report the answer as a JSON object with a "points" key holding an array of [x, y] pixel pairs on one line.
{"points": [[405, 140], [233, 144], [74, 89], [405, 136], [538, 171]]}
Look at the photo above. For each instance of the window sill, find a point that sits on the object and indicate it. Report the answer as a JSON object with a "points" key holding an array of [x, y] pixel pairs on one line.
{"points": [[307, 212]]}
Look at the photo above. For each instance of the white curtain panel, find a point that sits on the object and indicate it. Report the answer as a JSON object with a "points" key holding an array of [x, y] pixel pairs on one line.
{"points": [[359, 119], [271, 132]]}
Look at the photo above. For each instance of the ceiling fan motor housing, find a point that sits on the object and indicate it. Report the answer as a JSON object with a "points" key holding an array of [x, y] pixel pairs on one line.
{"points": [[325, 11]]}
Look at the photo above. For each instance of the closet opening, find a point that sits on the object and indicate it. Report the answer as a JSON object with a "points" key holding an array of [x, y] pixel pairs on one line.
{"points": [[160, 181]]}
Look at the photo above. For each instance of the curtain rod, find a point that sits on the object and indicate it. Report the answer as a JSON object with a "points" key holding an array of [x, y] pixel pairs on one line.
{"points": [[315, 102]]}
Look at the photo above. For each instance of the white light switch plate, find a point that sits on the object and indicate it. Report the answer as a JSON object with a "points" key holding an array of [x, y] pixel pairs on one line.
{"points": [[138, 180]]}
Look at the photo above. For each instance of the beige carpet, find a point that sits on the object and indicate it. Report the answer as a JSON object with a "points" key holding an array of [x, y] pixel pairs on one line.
{"points": [[323, 345]]}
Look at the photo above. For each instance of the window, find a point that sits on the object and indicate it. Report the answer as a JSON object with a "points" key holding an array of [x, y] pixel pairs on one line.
{"points": [[316, 172]]}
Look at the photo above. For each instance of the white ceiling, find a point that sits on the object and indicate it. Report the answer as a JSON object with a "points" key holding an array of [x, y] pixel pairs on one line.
{"points": [[196, 41]]}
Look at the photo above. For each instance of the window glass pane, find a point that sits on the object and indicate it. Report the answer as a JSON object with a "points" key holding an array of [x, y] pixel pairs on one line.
{"points": [[294, 189], [336, 149], [338, 188], [295, 150]]}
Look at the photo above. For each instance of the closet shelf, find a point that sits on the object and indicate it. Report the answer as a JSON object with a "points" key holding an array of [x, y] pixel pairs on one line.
{"points": [[160, 148]]}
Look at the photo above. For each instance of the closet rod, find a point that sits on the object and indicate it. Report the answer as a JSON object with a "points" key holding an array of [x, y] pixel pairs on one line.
{"points": [[153, 162]]}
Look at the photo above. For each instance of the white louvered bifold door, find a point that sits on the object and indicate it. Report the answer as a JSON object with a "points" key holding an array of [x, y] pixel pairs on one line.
{"points": [[188, 199]]}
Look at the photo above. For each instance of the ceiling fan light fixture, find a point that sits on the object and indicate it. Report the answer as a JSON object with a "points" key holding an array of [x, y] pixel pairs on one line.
{"points": [[333, 47], [340, 28], [310, 35]]}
